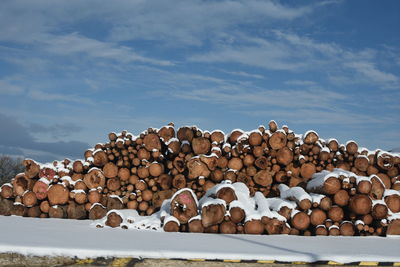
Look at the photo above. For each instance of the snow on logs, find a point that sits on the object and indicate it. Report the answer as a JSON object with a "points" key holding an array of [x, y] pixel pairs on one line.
{"points": [[314, 186]]}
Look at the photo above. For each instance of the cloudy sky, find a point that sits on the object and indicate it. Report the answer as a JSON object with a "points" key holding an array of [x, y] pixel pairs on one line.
{"points": [[72, 71]]}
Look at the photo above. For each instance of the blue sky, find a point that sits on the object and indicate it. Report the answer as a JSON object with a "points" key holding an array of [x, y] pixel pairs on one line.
{"points": [[72, 71]]}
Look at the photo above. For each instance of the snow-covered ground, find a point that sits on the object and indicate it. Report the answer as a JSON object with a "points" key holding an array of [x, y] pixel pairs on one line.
{"points": [[77, 238]]}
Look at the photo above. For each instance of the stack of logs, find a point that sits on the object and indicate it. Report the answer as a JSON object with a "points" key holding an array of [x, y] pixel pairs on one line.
{"points": [[140, 172]]}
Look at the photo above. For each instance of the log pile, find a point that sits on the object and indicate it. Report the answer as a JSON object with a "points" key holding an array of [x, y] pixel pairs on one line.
{"points": [[140, 172]]}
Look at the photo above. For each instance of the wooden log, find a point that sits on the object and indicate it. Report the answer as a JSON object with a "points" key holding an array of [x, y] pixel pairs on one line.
{"points": [[327, 186], [255, 138], [277, 141], [263, 178], [227, 227], [253, 227], [94, 196], [301, 221], [185, 133], [184, 206], [351, 147], [273, 226], [347, 228], [237, 214], [114, 203], [58, 211], [113, 184], [34, 212], [321, 230], [341, 198], [113, 219], [166, 133], [32, 169], [284, 156], [393, 202], [360, 204], [197, 168], [227, 194], [40, 188], [152, 142], [6, 206], [195, 226], [110, 170], [317, 217], [379, 211], [307, 170], [94, 179], [58, 194], [18, 209], [6, 191], [76, 211], [377, 188], [77, 166], [364, 187], [201, 145], [99, 158], [97, 211], [361, 163], [212, 214], [44, 206], [394, 228], [385, 161], [336, 214], [21, 183], [29, 199]]}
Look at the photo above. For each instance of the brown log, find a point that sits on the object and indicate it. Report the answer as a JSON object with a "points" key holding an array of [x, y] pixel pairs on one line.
{"points": [[179, 181], [317, 217], [361, 163], [44, 206], [334, 230], [156, 169], [166, 133], [113, 219], [227, 194], [80, 197], [351, 147], [255, 138], [393, 203], [18, 209], [227, 227], [273, 226], [277, 141], [360, 204], [21, 183], [364, 187], [201, 145], [379, 211], [300, 221], [152, 142], [212, 214], [94, 179], [325, 204], [40, 188], [29, 199], [32, 169], [77, 166], [235, 164], [284, 156], [336, 214], [197, 168], [385, 179], [58, 194], [100, 158], [183, 206], [34, 212], [307, 170], [6, 191], [347, 229], [110, 170], [385, 161], [185, 133], [195, 226], [113, 184], [97, 211], [263, 178], [377, 189], [273, 126], [6, 206], [210, 161], [58, 211], [94, 196], [254, 227], [341, 198], [321, 230], [237, 214], [171, 226], [114, 203], [394, 228], [76, 211]]}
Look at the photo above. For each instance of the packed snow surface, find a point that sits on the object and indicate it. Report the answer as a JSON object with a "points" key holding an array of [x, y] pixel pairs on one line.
{"points": [[73, 238]]}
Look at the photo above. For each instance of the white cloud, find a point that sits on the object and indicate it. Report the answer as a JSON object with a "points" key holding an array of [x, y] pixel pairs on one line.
{"points": [[56, 97], [244, 74], [300, 83], [7, 88], [369, 70]]}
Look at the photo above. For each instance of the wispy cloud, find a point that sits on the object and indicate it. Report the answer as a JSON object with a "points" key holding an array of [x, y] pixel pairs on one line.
{"points": [[243, 74], [300, 83], [8, 88]]}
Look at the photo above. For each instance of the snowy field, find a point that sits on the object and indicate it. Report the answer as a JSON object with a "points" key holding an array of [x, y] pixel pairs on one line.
{"points": [[57, 237]]}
